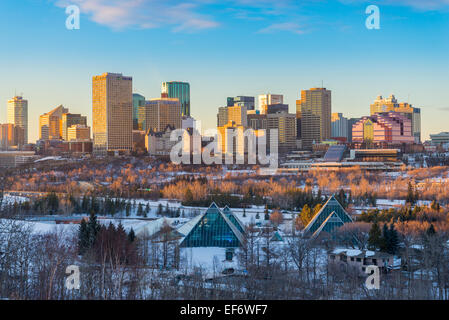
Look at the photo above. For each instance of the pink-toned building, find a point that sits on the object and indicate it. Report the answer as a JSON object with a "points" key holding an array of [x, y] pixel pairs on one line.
{"points": [[386, 127]]}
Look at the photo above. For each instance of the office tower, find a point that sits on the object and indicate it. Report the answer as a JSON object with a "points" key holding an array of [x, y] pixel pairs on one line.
{"points": [[112, 102], [222, 116], [383, 129], [236, 113], [339, 126], [78, 132], [138, 101], [351, 122], [18, 114], [267, 99], [314, 114], [157, 114], [242, 101], [180, 90], [257, 121], [275, 108], [70, 119], [11, 135], [50, 124], [189, 122], [391, 104], [285, 123], [229, 140]]}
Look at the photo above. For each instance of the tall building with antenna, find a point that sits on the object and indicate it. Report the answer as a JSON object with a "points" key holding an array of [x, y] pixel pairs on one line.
{"points": [[18, 114], [313, 114]]}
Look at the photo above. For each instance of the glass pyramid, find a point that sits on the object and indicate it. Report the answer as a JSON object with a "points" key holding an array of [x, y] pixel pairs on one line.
{"points": [[331, 216], [213, 229]]}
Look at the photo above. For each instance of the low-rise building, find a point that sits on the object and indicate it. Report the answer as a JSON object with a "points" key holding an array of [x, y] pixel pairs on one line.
{"points": [[440, 138], [361, 259]]}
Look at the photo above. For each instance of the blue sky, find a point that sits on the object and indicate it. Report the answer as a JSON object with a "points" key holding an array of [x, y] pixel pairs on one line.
{"points": [[227, 48]]}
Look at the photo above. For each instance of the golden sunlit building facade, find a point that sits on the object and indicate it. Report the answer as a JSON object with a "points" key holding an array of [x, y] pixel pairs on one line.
{"points": [[313, 113], [50, 124], [159, 113], [18, 114], [112, 114]]}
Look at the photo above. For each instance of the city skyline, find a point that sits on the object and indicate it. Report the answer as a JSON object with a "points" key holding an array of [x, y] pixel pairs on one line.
{"points": [[338, 53]]}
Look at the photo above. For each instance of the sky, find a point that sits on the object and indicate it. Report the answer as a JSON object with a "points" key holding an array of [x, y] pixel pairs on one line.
{"points": [[228, 48]]}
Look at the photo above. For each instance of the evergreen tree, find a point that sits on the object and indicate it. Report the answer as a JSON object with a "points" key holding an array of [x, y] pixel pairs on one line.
{"points": [[131, 235], [411, 196], [267, 215], [147, 208], [430, 231], [140, 210], [128, 209], [257, 215], [83, 238], [93, 228], [375, 237], [385, 239], [159, 210], [393, 244], [167, 209]]}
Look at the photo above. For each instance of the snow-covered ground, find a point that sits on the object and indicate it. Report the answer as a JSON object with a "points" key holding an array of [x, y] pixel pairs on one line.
{"points": [[211, 260], [10, 200]]}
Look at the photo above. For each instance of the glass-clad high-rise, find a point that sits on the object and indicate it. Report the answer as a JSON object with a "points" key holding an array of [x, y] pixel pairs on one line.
{"points": [[138, 101], [180, 90]]}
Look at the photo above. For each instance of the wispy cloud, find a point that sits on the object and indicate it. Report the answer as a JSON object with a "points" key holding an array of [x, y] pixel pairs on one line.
{"points": [[425, 5], [145, 14], [287, 26], [195, 15]]}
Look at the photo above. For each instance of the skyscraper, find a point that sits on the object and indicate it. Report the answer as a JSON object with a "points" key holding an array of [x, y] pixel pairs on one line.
{"points": [[112, 102], [285, 123], [158, 113], [313, 113], [242, 101], [268, 99], [339, 126], [11, 135], [18, 114], [180, 90], [237, 114], [50, 124], [70, 119], [138, 101]]}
